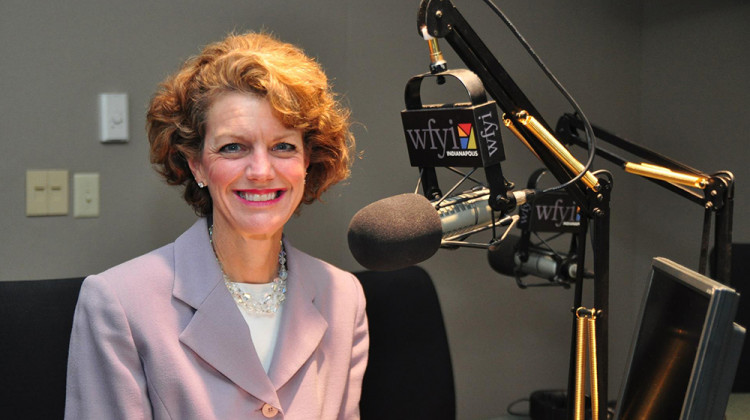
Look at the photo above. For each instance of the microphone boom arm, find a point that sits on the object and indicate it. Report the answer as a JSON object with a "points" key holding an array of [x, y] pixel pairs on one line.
{"points": [[718, 189], [441, 19]]}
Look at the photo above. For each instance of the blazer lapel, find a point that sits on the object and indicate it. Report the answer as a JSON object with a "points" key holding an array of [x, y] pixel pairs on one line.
{"points": [[217, 331], [302, 325]]}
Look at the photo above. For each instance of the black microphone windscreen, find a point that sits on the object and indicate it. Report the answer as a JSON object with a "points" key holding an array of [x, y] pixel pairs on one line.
{"points": [[502, 259], [395, 232]]}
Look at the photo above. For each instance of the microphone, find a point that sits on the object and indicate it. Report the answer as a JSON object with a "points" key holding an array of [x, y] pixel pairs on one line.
{"points": [[403, 230], [541, 263], [395, 232]]}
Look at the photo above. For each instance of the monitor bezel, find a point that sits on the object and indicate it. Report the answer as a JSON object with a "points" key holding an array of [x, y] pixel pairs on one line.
{"points": [[718, 328]]}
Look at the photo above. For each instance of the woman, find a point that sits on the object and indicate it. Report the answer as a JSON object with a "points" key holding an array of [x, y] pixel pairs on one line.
{"points": [[230, 321]]}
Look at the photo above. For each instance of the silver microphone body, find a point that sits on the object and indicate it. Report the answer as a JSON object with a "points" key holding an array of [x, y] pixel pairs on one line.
{"points": [[465, 212], [543, 265], [470, 211]]}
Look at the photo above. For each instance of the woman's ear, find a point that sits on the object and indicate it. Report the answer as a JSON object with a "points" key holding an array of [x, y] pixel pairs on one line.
{"points": [[196, 169]]}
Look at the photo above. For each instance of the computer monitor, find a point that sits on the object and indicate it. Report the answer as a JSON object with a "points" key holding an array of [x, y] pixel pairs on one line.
{"points": [[685, 349]]}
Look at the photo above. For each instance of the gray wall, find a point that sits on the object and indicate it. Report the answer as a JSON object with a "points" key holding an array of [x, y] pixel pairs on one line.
{"points": [[664, 73]]}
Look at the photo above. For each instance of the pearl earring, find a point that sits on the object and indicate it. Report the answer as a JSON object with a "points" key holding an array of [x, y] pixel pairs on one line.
{"points": [[201, 185]]}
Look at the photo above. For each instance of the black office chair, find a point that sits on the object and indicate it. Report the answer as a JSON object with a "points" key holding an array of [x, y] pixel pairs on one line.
{"points": [[409, 374], [36, 317]]}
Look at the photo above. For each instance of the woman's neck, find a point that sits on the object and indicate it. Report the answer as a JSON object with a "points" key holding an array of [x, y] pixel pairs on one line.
{"points": [[247, 259]]}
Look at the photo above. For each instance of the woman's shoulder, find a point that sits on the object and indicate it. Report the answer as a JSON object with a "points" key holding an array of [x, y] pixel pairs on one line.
{"points": [[321, 274], [157, 261], [138, 274], [313, 265], [152, 266], [336, 293]]}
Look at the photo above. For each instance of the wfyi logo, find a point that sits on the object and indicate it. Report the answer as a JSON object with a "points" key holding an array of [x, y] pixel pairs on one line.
{"points": [[453, 140], [551, 212]]}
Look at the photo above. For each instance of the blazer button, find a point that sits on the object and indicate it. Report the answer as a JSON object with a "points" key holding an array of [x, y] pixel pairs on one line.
{"points": [[269, 411]]}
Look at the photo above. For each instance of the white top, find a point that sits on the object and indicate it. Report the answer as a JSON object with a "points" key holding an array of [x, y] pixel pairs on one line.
{"points": [[264, 328]]}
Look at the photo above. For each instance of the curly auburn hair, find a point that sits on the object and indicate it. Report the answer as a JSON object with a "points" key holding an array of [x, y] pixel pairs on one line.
{"points": [[293, 83]]}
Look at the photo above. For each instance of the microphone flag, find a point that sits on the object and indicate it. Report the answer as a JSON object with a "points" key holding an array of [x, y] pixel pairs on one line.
{"points": [[555, 211], [452, 135]]}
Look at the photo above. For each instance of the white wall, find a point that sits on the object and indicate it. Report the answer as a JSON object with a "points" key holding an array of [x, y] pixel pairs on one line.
{"points": [[664, 73]]}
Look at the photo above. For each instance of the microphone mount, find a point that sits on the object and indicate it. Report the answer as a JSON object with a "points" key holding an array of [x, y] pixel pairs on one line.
{"points": [[455, 135], [441, 19]]}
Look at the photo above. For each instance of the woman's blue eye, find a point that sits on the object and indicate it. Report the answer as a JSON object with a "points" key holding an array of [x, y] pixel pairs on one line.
{"points": [[284, 147], [230, 148]]}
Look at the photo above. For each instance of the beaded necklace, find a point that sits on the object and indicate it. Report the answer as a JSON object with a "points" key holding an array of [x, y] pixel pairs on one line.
{"points": [[269, 302]]}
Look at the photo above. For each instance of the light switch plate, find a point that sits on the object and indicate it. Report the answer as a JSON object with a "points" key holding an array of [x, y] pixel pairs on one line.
{"points": [[113, 117], [57, 194], [46, 193], [86, 195], [36, 193]]}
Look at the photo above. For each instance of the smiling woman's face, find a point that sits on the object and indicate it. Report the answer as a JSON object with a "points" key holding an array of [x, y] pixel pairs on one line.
{"points": [[253, 165]]}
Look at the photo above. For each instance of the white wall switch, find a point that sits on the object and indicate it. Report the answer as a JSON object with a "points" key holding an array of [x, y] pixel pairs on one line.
{"points": [[113, 117], [86, 195], [47, 193]]}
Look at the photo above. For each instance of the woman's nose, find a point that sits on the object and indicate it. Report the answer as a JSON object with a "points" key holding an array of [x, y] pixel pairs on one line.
{"points": [[259, 165]]}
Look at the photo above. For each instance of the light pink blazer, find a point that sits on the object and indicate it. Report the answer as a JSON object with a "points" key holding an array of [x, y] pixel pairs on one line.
{"points": [[160, 337]]}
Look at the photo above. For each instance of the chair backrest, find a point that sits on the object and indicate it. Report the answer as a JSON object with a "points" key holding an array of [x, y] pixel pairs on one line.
{"points": [[36, 317], [409, 374]]}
